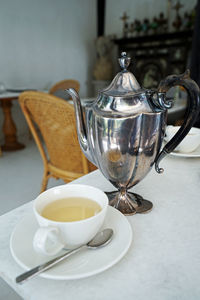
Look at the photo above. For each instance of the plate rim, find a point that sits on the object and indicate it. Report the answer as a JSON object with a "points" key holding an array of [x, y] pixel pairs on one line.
{"points": [[75, 276], [193, 154]]}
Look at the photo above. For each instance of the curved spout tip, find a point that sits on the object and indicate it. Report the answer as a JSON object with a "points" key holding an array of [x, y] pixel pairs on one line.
{"points": [[72, 92], [80, 125]]}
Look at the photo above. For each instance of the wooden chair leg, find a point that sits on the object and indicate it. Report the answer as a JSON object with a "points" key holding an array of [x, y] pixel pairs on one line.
{"points": [[44, 181], [30, 135], [0, 151]]}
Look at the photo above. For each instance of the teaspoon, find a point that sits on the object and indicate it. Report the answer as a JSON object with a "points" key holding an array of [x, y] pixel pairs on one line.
{"points": [[102, 238]]}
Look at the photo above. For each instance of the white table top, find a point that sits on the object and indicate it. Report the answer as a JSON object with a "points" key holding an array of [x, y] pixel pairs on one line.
{"points": [[9, 95], [16, 94], [163, 262]]}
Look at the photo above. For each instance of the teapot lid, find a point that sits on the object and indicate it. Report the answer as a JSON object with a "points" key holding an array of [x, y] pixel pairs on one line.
{"points": [[124, 83]]}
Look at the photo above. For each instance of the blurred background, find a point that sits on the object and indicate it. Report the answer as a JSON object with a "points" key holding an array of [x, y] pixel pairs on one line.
{"points": [[44, 41]]}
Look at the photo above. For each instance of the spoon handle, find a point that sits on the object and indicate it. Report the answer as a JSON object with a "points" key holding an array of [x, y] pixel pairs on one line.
{"points": [[45, 266]]}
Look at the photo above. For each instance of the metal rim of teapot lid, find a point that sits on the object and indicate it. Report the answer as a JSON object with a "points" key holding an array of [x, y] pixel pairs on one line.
{"points": [[124, 61]]}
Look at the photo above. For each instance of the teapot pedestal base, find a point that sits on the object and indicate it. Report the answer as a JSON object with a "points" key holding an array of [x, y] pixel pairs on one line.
{"points": [[129, 203]]}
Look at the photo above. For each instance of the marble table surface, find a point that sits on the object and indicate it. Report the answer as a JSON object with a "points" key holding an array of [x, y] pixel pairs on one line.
{"points": [[163, 262]]}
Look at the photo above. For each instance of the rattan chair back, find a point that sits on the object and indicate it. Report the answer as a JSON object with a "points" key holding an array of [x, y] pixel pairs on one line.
{"points": [[58, 88], [52, 123]]}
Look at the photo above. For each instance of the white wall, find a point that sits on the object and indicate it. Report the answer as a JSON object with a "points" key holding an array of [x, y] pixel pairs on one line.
{"points": [[43, 41]]}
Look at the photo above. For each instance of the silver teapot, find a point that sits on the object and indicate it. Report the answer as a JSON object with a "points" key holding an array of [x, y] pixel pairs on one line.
{"points": [[123, 130]]}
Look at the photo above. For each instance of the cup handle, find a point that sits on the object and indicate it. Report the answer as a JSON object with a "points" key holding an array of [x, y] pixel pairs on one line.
{"points": [[47, 241]]}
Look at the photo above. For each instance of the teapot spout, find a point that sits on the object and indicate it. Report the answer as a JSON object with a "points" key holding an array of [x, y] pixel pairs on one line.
{"points": [[80, 125]]}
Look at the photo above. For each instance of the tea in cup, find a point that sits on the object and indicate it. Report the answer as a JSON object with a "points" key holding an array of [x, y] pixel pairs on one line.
{"points": [[68, 216], [189, 144]]}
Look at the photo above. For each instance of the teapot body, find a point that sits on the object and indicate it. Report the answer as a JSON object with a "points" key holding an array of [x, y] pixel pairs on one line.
{"points": [[123, 130], [124, 148]]}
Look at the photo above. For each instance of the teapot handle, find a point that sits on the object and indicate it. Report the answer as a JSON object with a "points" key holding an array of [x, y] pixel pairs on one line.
{"points": [[193, 109]]}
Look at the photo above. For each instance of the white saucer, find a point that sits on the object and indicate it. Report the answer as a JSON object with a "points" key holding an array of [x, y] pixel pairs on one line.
{"points": [[85, 263], [195, 153]]}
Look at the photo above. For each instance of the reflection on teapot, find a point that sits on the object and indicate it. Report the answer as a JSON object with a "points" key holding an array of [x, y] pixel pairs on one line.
{"points": [[124, 130]]}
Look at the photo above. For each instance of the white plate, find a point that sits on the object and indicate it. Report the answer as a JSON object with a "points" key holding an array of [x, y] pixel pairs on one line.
{"points": [[195, 153], [85, 263]]}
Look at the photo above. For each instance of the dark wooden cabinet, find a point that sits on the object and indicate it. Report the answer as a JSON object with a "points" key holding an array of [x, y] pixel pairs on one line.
{"points": [[156, 56]]}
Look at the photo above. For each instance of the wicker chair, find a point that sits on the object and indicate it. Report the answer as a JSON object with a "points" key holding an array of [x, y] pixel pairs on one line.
{"points": [[52, 123], [58, 88]]}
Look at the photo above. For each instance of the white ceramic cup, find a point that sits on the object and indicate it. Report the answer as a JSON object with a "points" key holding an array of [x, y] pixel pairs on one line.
{"points": [[52, 236], [189, 144]]}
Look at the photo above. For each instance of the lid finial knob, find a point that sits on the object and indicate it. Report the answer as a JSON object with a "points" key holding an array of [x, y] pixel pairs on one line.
{"points": [[124, 61]]}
